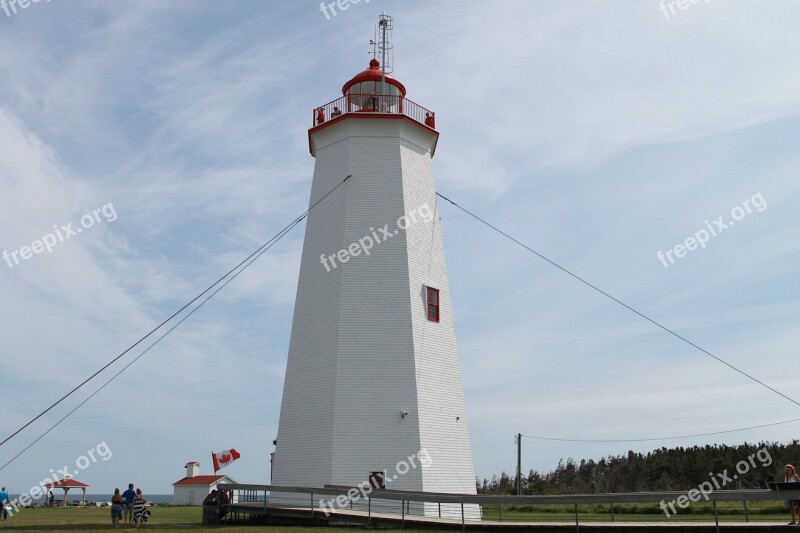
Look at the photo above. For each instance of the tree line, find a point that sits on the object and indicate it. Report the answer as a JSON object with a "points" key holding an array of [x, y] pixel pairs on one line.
{"points": [[663, 469]]}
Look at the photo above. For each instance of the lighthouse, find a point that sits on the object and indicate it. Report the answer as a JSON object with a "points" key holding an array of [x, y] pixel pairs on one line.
{"points": [[373, 391]]}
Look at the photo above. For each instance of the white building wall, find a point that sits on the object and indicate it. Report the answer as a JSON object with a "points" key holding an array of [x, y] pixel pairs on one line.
{"points": [[305, 432], [444, 429], [195, 494], [362, 351], [183, 495]]}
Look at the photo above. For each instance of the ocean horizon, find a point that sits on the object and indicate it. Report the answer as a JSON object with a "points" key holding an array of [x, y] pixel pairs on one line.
{"points": [[90, 498]]}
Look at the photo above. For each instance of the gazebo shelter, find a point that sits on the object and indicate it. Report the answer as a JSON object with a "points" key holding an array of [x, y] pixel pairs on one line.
{"points": [[66, 484]]}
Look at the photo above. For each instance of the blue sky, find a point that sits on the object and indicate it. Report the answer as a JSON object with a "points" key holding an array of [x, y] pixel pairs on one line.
{"points": [[598, 133]]}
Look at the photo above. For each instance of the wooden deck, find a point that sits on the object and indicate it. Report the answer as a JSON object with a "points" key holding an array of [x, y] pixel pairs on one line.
{"points": [[393, 509]]}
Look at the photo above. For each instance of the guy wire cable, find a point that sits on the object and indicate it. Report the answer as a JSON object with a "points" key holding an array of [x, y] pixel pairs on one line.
{"points": [[664, 438], [123, 369], [620, 302], [279, 235]]}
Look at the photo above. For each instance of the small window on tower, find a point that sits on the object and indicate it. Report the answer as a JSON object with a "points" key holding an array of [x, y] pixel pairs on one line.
{"points": [[433, 304]]}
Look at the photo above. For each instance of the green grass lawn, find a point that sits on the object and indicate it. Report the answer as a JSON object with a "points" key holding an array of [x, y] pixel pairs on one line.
{"points": [[167, 518], [697, 512]]}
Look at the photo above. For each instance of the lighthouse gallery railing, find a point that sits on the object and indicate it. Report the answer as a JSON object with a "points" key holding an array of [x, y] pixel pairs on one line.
{"points": [[372, 103]]}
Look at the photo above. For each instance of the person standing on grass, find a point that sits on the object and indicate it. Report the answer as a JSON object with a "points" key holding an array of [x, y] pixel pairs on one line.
{"points": [[4, 499], [138, 506], [116, 508], [792, 477], [128, 496]]}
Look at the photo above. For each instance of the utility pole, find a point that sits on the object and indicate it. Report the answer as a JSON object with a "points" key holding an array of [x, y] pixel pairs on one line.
{"points": [[519, 464]]}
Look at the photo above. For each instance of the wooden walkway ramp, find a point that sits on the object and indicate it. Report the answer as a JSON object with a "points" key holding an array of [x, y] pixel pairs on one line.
{"points": [[403, 510], [250, 512]]}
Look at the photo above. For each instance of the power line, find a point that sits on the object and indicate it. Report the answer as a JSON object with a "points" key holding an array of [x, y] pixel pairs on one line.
{"points": [[620, 302], [257, 253], [664, 438], [283, 232]]}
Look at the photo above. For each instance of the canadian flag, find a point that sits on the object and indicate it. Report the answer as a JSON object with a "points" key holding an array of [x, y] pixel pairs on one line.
{"points": [[224, 458]]}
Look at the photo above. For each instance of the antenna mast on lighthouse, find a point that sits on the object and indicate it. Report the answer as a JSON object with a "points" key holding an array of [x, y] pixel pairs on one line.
{"points": [[385, 46]]}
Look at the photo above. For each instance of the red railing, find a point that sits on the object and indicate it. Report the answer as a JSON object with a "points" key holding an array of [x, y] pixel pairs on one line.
{"points": [[373, 103]]}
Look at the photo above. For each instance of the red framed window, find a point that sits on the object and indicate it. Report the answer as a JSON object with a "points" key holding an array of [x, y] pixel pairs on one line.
{"points": [[432, 303]]}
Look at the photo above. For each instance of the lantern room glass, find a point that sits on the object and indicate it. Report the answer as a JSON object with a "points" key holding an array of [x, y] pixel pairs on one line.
{"points": [[367, 97]]}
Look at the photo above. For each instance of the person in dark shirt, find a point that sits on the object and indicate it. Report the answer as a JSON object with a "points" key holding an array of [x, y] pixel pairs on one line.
{"points": [[116, 508], [128, 496]]}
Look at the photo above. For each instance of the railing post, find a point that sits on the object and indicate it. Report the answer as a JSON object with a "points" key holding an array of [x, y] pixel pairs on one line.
{"points": [[369, 511], [716, 516], [612, 511], [403, 516], [440, 509], [463, 527], [500, 510], [312, 504], [746, 512], [577, 525]]}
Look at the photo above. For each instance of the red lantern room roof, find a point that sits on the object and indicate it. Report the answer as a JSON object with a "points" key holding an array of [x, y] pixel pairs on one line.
{"points": [[373, 73]]}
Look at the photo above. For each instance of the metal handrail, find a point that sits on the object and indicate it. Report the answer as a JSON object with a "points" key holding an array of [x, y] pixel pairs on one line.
{"points": [[406, 498], [610, 497], [389, 104]]}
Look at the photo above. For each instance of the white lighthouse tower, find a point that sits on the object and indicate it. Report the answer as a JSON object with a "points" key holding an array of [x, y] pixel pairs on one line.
{"points": [[373, 375]]}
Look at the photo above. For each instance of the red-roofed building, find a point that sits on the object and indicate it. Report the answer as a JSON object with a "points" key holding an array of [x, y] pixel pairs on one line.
{"points": [[66, 484], [193, 489]]}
